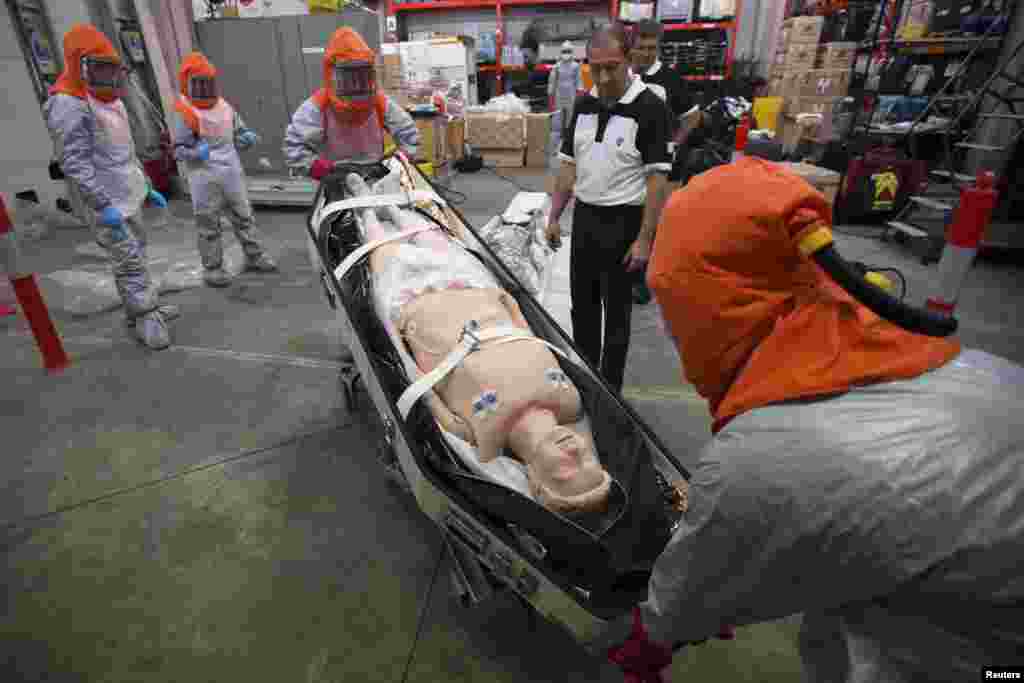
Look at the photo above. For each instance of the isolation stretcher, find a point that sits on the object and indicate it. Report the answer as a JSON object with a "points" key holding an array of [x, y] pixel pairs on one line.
{"points": [[581, 572]]}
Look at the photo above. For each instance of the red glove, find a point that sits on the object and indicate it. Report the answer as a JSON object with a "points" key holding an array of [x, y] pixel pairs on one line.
{"points": [[641, 659], [727, 633], [321, 168]]}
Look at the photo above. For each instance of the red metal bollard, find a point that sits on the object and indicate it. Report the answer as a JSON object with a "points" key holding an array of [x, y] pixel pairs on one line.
{"points": [[963, 236], [31, 300], [742, 133]]}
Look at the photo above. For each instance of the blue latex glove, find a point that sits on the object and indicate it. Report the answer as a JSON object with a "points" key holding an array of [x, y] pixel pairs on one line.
{"points": [[247, 139], [157, 199], [203, 151], [113, 219]]}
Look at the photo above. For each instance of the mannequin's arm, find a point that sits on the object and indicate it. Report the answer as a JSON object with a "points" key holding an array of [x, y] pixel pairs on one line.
{"points": [[450, 422], [514, 312]]}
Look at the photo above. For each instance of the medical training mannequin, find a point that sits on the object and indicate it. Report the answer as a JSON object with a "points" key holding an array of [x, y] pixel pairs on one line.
{"points": [[511, 394], [866, 477], [92, 134], [345, 120], [207, 129]]}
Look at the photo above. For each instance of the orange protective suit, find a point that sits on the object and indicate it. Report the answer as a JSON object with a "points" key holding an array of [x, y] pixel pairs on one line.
{"points": [[83, 40], [755, 321], [346, 45]]}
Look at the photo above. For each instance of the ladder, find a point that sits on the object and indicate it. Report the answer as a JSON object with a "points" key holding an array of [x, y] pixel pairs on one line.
{"points": [[1000, 97]]}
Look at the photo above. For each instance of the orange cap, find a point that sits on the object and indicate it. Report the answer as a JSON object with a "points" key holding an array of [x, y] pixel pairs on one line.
{"points": [[83, 40], [755, 321], [346, 45]]}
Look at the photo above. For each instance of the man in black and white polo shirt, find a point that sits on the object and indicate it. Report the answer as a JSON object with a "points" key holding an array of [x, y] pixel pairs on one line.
{"points": [[615, 160]]}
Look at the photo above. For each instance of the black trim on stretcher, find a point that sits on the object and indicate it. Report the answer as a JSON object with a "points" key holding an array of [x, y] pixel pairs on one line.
{"points": [[609, 557]]}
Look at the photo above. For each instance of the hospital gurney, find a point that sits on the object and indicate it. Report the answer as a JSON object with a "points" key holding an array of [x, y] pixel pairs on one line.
{"points": [[581, 572]]}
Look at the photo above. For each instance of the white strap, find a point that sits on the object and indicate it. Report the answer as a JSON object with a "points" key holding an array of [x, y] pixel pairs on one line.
{"points": [[379, 200], [470, 342], [356, 256]]}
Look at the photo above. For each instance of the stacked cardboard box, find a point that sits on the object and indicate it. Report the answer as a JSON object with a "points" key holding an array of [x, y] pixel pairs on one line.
{"points": [[796, 52], [538, 139], [810, 77], [499, 138], [837, 56]]}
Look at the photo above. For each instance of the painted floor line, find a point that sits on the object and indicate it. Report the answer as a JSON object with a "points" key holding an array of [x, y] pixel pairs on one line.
{"points": [[246, 356], [670, 393], [265, 358]]}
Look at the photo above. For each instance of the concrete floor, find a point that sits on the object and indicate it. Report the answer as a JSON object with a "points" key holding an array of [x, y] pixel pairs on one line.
{"points": [[213, 512]]}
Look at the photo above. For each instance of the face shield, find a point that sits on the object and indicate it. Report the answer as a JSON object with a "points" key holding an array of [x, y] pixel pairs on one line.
{"points": [[354, 80], [202, 89], [103, 75]]}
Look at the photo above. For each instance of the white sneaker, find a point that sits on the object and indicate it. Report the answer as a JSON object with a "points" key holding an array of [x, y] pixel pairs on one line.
{"points": [[152, 331], [216, 277], [261, 264]]}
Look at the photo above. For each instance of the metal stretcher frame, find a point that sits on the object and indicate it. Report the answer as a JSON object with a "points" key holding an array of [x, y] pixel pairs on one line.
{"points": [[487, 553]]}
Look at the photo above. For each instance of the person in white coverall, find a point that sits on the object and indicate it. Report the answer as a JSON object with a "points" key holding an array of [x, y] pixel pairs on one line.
{"points": [[90, 128], [345, 119], [864, 476], [207, 130], [565, 84]]}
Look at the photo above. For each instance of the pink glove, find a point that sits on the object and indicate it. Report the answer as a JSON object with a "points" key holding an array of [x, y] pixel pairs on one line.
{"points": [[321, 168], [641, 659]]}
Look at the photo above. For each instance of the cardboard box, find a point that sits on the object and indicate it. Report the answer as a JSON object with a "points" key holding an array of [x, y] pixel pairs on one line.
{"points": [[538, 139], [836, 55], [822, 179], [503, 158], [456, 139], [791, 131], [825, 83], [433, 145], [790, 83], [809, 105], [486, 130], [804, 29], [800, 57]]}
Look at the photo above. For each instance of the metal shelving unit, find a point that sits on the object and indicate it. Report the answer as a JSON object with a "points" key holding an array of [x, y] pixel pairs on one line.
{"points": [[940, 196], [730, 26], [394, 9]]}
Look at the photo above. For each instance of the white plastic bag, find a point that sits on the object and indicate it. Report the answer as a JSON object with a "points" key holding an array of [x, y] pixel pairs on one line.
{"points": [[89, 289], [506, 104]]}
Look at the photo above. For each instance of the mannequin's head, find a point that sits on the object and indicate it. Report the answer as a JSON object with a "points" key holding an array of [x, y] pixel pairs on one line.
{"points": [[564, 472]]}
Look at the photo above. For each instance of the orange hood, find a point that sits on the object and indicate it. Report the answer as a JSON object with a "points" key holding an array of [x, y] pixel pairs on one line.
{"points": [[755, 321], [346, 45], [193, 63], [83, 40]]}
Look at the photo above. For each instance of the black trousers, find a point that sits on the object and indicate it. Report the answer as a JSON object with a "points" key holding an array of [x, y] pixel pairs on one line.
{"points": [[600, 284]]}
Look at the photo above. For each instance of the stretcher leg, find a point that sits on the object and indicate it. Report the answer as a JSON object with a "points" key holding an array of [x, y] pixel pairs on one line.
{"points": [[351, 381], [469, 582]]}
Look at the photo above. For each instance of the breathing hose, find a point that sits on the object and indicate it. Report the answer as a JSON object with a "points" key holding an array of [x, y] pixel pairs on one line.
{"points": [[819, 245]]}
